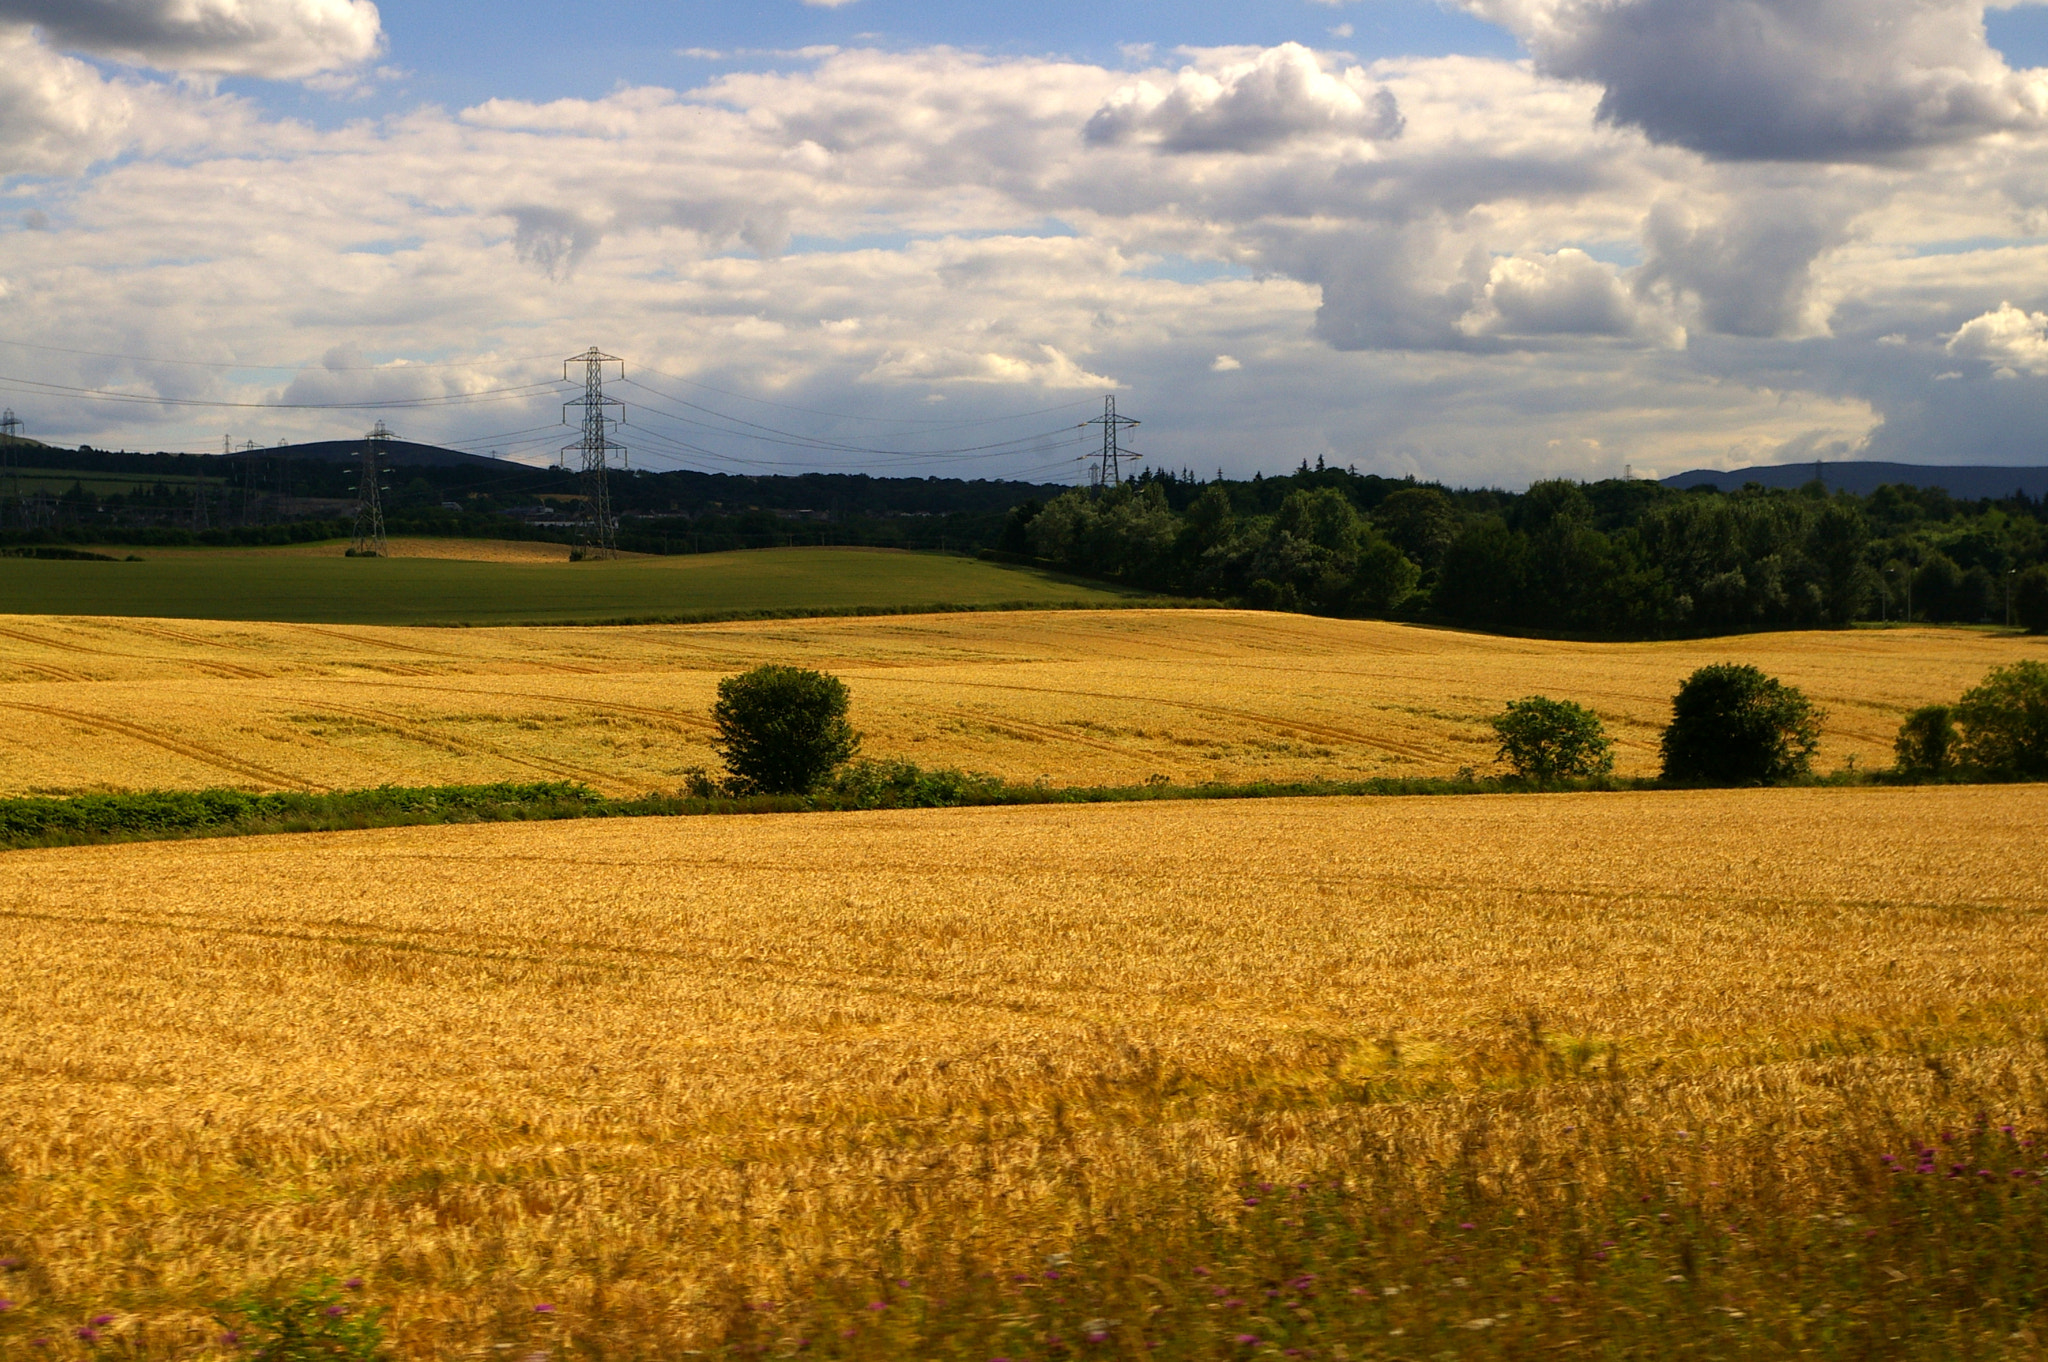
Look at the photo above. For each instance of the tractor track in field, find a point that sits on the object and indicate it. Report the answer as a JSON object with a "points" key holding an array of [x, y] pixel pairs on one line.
{"points": [[414, 731], [21, 637], [1294, 727], [44, 671], [183, 747]]}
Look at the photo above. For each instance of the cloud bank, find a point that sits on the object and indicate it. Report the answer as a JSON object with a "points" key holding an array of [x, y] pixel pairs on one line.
{"points": [[278, 39], [1461, 267]]}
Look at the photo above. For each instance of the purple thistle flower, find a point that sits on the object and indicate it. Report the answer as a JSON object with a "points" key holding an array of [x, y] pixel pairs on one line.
{"points": [[6, 1305], [353, 1284], [1468, 1225], [87, 1334], [543, 1309], [1249, 1340], [102, 1321], [1251, 1201], [230, 1339], [335, 1311], [878, 1305]]}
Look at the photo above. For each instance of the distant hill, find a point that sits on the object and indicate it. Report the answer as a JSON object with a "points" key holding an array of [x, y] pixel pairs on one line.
{"points": [[397, 454], [1969, 482]]}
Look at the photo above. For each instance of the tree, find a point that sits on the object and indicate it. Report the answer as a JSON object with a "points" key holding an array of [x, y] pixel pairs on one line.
{"points": [[2004, 720], [1420, 521], [1926, 744], [1733, 725], [2030, 599], [782, 730], [1545, 739]]}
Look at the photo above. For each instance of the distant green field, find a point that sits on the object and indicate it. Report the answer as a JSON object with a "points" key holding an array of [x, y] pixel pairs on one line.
{"points": [[235, 586]]}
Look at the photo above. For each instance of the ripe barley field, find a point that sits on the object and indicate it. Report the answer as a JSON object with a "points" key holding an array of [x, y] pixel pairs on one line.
{"points": [[1073, 697], [1576, 1075]]}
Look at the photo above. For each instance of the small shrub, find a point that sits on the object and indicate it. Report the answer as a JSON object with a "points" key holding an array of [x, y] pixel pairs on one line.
{"points": [[1926, 744], [2030, 599], [1733, 725], [782, 730], [2004, 722], [316, 1323], [898, 784], [1545, 739]]}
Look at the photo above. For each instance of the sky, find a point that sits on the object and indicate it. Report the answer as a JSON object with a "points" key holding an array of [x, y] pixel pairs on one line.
{"points": [[1481, 241]]}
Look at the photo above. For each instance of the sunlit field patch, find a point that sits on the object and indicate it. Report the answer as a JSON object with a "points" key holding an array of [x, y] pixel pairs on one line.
{"points": [[1073, 697], [1704, 1074]]}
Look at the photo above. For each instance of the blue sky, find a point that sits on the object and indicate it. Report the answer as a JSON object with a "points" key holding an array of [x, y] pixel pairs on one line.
{"points": [[464, 50], [1481, 240]]}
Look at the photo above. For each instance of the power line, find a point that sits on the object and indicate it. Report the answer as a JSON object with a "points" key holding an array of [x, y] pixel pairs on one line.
{"points": [[602, 533], [1110, 472], [368, 539], [773, 435], [942, 421]]}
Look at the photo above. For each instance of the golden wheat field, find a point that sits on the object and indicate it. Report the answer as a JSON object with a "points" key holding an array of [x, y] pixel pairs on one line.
{"points": [[90, 704], [631, 1069]]}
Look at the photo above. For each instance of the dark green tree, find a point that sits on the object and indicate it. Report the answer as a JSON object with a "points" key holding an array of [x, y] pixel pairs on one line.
{"points": [[1420, 521], [1926, 744], [782, 730], [2004, 721], [1733, 725], [1545, 739], [2030, 599]]}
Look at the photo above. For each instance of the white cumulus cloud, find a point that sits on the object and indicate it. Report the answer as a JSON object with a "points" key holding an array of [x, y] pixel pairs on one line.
{"points": [[1281, 94], [2011, 340]]}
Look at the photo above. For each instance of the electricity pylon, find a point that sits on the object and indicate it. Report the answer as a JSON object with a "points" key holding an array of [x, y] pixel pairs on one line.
{"points": [[10, 432], [1109, 473], [600, 530], [368, 540]]}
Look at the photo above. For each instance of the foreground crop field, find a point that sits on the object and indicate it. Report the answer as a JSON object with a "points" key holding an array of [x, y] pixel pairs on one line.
{"points": [[1075, 697], [1360, 1078], [426, 584]]}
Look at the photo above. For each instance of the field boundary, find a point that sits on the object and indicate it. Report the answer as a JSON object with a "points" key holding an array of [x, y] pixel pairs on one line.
{"points": [[151, 816], [826, 613]]}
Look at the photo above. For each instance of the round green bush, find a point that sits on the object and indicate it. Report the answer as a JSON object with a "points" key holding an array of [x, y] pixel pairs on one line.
{"points": [[1546, 739], [2004, 719], [782, 730], [1926, 745], [1733, 725]]}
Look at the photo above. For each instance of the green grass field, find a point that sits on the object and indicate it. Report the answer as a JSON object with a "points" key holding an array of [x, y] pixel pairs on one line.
{"points": [[227, 585]]}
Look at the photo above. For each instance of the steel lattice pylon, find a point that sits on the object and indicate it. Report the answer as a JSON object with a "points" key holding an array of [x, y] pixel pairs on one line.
{"points": [[1110, 472], [368, 540], [600, 529]]}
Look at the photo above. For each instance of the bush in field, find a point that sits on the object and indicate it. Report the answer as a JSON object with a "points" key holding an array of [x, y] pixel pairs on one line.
{"points": [[900, 784], [1545, 739], [1926, 745], [782, 730], [1733, 725], [2004, 720]]}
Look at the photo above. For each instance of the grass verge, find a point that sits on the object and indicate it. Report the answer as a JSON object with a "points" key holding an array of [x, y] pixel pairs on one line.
{"points": [[149, 816]]}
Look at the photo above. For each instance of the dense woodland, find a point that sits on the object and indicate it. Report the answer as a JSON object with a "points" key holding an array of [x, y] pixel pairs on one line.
{"points": [[1616, 559], [1610, 559]]}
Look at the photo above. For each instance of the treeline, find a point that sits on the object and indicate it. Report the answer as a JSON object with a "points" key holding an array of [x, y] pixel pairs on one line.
{"points": [[1618, 559]]}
